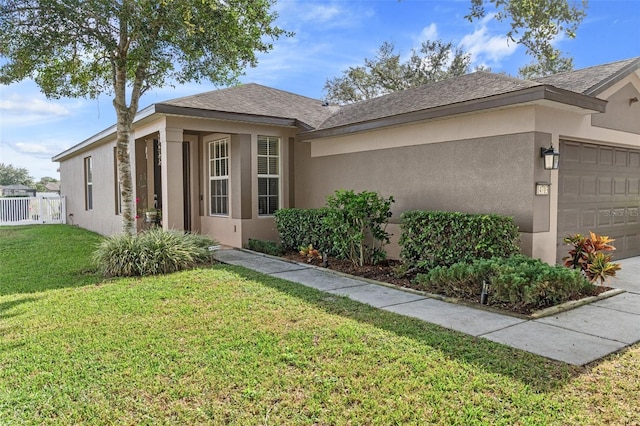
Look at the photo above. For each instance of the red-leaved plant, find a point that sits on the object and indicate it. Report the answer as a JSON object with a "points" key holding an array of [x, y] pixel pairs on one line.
{"points": [[309, 253], [588, 255]]}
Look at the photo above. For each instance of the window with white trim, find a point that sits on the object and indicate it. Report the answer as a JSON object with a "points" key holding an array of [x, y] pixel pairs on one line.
{"points": [[88, 183], [219, 177], [268, 175]]}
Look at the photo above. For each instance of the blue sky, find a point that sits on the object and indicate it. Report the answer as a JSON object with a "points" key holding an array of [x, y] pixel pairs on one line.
{"points": [[330, 37]]}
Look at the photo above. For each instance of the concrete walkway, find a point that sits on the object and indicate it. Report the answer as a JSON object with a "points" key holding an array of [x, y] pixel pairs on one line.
{"points": [[576, 337]]}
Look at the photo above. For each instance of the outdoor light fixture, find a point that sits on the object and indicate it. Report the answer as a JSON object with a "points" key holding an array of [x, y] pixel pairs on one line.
{"points": [[551, 158]]}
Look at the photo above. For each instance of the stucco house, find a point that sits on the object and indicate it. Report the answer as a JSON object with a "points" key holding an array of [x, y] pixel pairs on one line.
{"points": [[17, 190], [220, 163]]}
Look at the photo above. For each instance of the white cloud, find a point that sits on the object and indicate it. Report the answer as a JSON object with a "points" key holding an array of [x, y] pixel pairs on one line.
{"points": [[323, 13], [331, 15], [19, 106], [34, 148], [429, 32], [37, 165], [486, 48]]}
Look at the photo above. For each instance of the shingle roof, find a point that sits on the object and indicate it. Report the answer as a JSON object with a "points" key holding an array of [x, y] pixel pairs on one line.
{"points": [[467, 87], [592, 80], [255, 99]]}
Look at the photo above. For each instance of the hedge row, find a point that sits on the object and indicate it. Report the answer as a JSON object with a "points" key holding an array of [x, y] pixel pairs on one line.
{"points": [[301, 227], [428, 239], [434, 238], [518, 280]]}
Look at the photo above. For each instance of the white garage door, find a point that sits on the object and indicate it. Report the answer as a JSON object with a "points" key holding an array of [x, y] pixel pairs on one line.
{"points": [[599, 191]]}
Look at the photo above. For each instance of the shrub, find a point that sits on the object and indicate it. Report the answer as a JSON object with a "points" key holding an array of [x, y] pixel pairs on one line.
{"points": [[587, 255], [301, 227], [434, 238], [518, 281], [151, 252], [358, 223], [267, 247]]}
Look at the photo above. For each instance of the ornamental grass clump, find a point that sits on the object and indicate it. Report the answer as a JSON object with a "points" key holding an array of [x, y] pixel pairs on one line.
{"points": [[151, 252]]}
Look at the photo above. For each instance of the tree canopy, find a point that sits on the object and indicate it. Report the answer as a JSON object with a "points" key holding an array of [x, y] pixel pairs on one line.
{"points": [[41, 186], [387, 73], [10, 175], [536, 25], [84, 48]]}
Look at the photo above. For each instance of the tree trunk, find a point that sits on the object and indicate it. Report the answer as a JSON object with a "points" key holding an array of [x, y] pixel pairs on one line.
{"points": [[125, 115], [124, 173]]}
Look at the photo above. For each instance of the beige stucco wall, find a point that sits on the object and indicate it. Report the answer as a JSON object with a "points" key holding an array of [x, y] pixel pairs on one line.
{"points": [[622, 113], [102, 218], [480, 175]]}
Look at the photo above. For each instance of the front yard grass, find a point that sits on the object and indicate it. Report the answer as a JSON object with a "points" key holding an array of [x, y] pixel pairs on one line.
{"points": [[224, 345]]}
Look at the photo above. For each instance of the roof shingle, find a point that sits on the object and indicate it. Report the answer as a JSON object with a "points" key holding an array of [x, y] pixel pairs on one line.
{"points": [[592, 80], [467, 87], [255, 99]]}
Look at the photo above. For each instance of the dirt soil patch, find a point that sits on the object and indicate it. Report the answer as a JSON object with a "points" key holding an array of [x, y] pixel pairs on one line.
{"points": [[386, 272]]}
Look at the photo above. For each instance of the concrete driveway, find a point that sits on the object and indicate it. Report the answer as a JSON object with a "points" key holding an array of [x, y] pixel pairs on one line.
{"points": [[628, 278]]}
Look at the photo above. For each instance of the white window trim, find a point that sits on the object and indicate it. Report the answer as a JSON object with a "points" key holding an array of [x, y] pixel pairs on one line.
{"points": [[88, 183], [278, 176], [226, 177]]}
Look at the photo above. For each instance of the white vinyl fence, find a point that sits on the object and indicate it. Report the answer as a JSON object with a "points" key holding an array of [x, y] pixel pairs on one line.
{"points": [[32, 210]]}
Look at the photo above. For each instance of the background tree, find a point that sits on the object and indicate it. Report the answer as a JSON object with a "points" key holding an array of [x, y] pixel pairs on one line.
{"points": [[386, 73], [83, 48], [41, 185], [535, 25], [10, 175]]}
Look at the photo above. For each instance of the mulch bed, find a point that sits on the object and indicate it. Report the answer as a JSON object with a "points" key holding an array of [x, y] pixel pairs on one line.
{"points": [[385, 272]]}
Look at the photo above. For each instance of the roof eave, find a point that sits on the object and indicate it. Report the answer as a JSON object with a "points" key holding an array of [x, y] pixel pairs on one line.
{"points": [[528, 95], [101, 136], [225, 115], [186, 112]]}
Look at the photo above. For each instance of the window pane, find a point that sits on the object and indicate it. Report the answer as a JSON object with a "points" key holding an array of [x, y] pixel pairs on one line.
{"points": [[268, 172], [273, 186], [262, 146], [272, 204], [273, 166], [262, 205], [262, 166], [273, 146], [90, 197], [219, 196], [262, 186], [218, 174]]}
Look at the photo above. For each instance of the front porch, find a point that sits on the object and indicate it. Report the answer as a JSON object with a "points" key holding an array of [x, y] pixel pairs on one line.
{"points": [[209, 176]]}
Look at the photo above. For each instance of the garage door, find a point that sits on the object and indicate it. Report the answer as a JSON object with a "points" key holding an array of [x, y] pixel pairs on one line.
{"points": [[599, 191]]}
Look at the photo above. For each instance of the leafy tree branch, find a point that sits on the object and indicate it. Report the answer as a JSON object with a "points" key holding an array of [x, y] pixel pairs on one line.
{"points": [[84, 48]]}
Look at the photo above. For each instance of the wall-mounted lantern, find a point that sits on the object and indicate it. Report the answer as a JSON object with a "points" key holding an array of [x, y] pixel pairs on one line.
{"points": [[551, 158]]}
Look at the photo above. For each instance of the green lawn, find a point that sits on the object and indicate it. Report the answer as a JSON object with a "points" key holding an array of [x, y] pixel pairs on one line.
{"points": [[224, 345]]}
